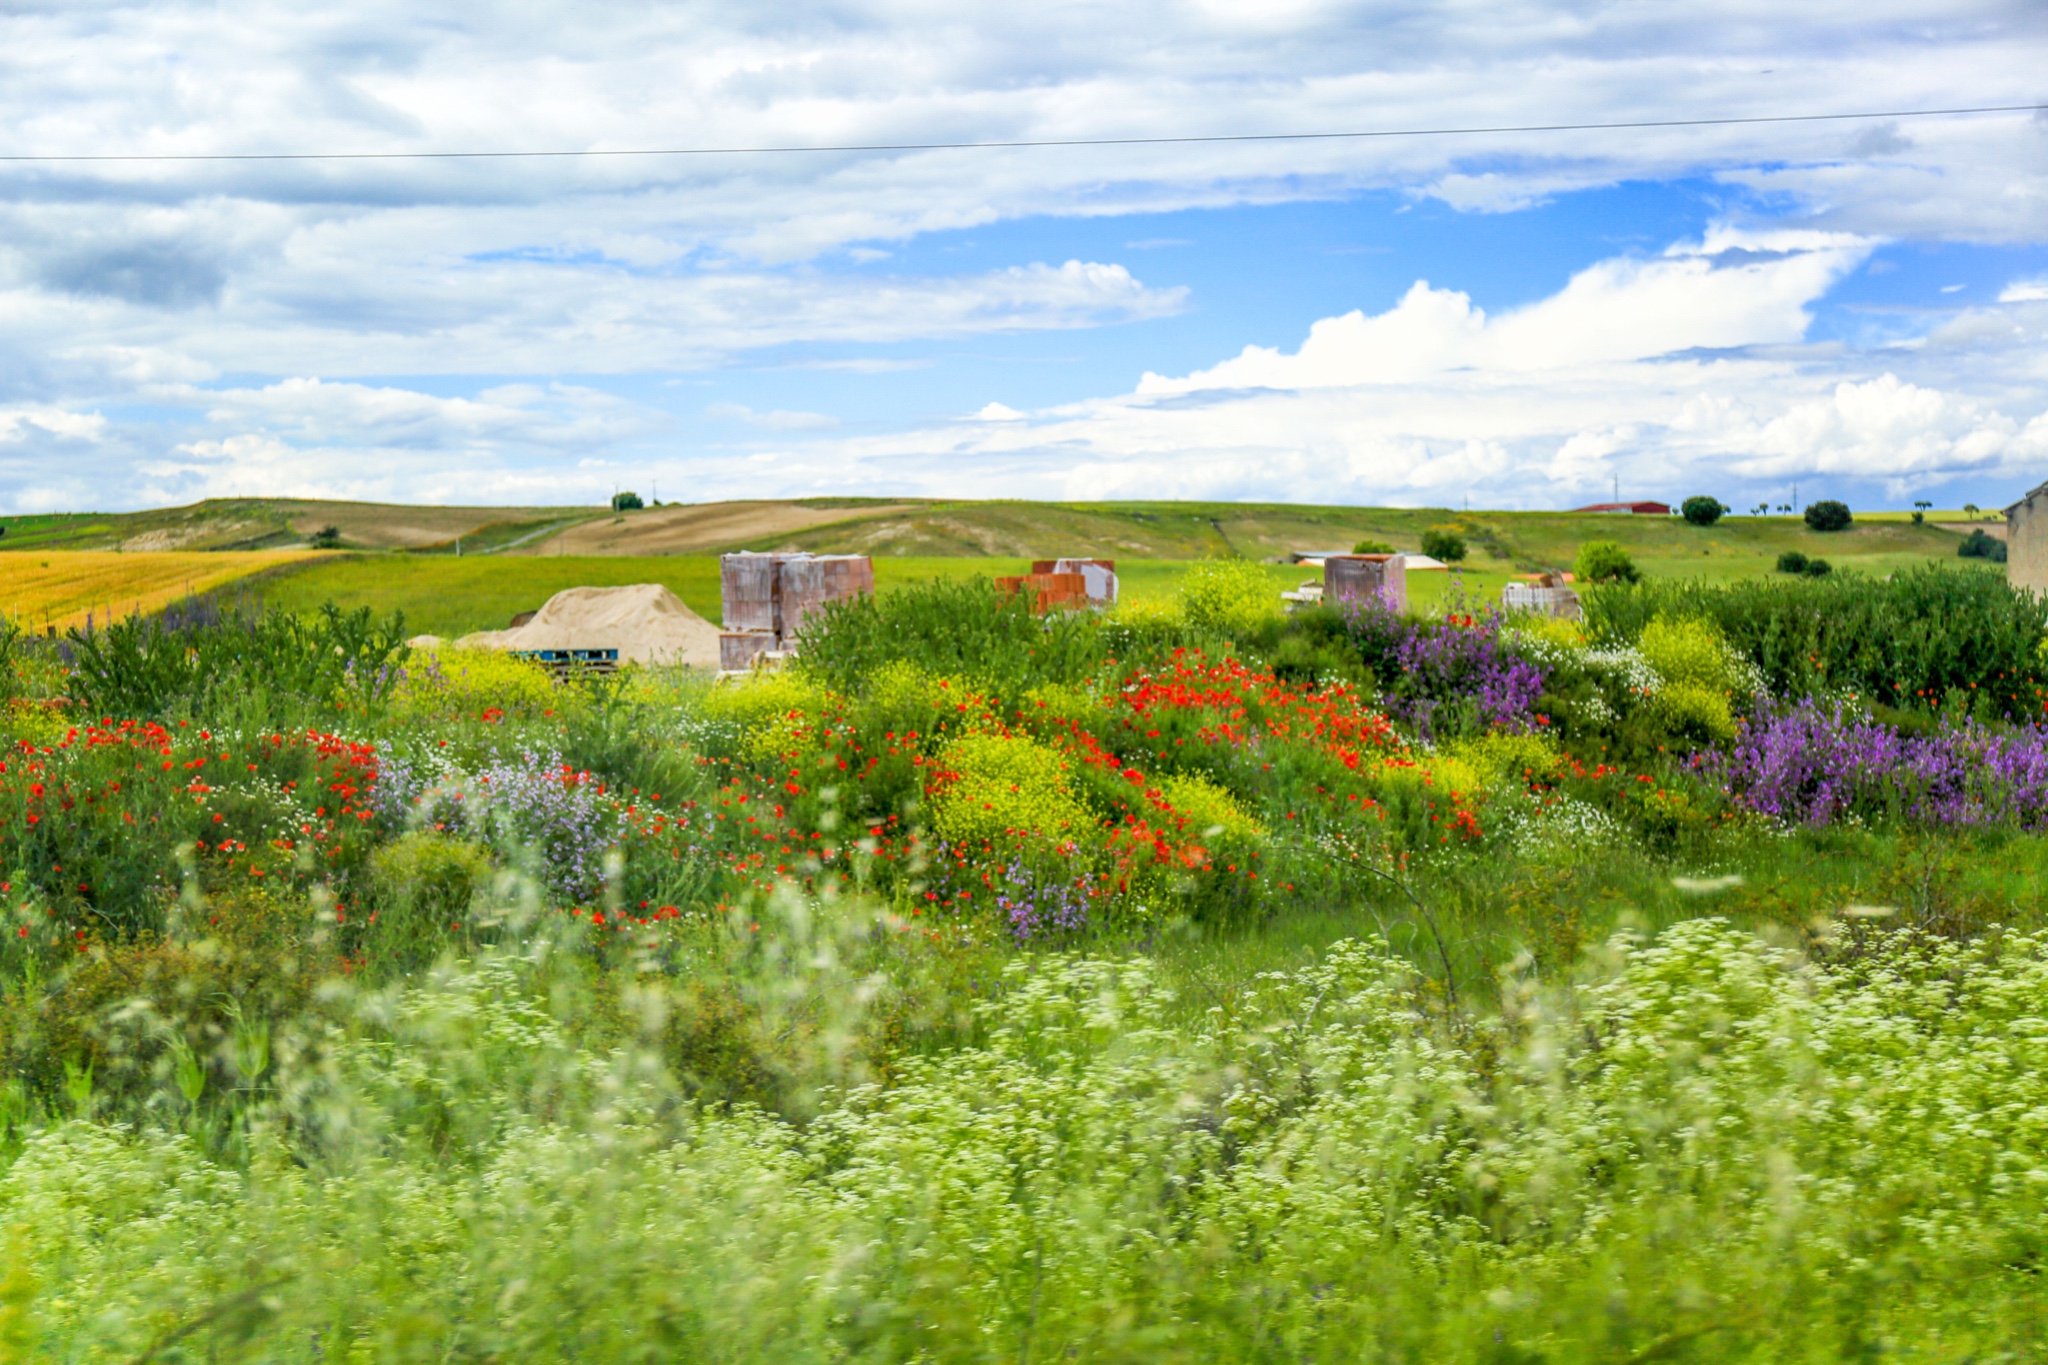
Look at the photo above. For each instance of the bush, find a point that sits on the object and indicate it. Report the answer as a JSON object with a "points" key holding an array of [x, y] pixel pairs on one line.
{"points": [[147, 666], [1791, 561], [1702, 511], [1373, 547], [424, 885], [1442, 542], [1818, 568], [1604, 561], [1230, 597], [1828, 515], [1909, 641], [960, 628], [626, 502], [997, 787], [1977, 545]]}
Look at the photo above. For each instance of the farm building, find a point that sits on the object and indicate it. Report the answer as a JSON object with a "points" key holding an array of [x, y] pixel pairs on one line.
{"points": [[2026, 541], [1641, 509]]}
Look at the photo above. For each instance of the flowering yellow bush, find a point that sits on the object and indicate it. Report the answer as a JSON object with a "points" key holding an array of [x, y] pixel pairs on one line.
{"points": [[1229, 596], [1210, 810], [1507, 759], [995, 784], [447, 681]]}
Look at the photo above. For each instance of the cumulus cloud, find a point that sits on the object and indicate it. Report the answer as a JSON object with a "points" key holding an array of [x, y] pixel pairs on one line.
{"points": [[1671, 373]]}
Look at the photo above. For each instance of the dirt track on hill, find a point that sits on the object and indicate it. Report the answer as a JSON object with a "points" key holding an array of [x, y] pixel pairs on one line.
{"points": [[696, 528]]}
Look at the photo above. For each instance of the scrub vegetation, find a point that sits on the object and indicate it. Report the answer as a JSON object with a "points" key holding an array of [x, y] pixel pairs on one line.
{"points": [[1187, 982]]}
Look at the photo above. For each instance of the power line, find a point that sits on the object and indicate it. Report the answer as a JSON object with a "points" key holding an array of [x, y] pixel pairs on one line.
{"points": [[1033, 142]]}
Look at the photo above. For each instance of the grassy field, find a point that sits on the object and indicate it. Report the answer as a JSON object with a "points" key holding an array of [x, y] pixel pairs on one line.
{"points": [[514, 558], [62, 588]]}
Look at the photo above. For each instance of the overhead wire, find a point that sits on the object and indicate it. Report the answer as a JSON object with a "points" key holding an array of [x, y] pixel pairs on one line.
{"points": [[1020, 143]]}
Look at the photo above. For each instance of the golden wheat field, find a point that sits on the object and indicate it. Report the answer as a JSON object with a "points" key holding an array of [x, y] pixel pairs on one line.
{"points": [[61, 588]]}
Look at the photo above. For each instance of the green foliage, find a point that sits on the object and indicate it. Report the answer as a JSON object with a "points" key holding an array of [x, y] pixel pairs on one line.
{"points": [[1372, 547], [626, 502], [1702, 511], [449, 683], [1443, 542], [1098, 1171], [423, 886], [1791, 561], [150, 666], [1604, 561], [1978, 545], [326, 538], [950, 628], [1828, 515], [1232, 598], [1818, 568], [1907, 641]]}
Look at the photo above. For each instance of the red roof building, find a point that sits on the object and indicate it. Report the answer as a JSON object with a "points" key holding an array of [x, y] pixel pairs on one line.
{"points": [[1641, 509]]}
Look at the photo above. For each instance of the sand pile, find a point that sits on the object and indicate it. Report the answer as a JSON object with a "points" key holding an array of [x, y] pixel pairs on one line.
{"points": [[645, 622]]}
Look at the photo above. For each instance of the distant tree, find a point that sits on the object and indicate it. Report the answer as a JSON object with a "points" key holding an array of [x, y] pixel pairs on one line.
{"points": [[1441, 542], [1828, 515], [1818, 568], [1791, 561], [1603, 561], [326, 538], [626, 502], [1759, 509], [1372, 547], [1703, 511], [1970, 509]]}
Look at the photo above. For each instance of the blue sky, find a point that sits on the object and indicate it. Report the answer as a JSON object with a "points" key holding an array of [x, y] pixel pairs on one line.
{"points": [[1522, 320]]}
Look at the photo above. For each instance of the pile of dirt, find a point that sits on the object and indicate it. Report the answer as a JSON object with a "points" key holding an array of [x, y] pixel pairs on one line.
{"points": [[645, 622]]}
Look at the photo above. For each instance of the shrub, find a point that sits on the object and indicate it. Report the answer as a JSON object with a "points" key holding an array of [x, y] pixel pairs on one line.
{"points": [[1702, 511], [992, 787], [448, 683], [626, 502], [1910, 641], [1688, 651], [1373, 547], [1791, 561], [1604, 561], [147, 666], [1443, 542], [960, 628], [1977, 545], [1818, 568], [1233, 598], [1828, 515], [424, 885]]}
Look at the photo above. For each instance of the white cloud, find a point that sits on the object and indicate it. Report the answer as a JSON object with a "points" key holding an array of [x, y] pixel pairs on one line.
{"points": [[998, 412], [1731, 289], [2025, 291], [1674, 374]]}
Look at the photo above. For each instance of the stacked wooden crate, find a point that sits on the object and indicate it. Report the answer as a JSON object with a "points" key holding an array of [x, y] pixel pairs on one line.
{"points": [[769, 600], [1065, 584], [1355, 578]]}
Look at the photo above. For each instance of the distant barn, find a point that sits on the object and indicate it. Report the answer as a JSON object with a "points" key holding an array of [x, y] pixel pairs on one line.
{"points": [[1641, 509]]}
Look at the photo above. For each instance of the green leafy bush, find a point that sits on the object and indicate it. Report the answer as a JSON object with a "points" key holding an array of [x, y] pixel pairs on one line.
{"points": [[1233, 598], [1828, 515], [1818, 568], [423, 886], [1702, 511], [1908, 641], [1604, 561], [1791, 561], [952, 629], [1443, 542], [1372, 547], [1978, 545], [196, 651]]}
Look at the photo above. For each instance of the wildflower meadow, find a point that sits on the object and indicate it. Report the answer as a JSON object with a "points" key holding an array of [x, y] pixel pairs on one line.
{"points": [[1186, 982]]}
